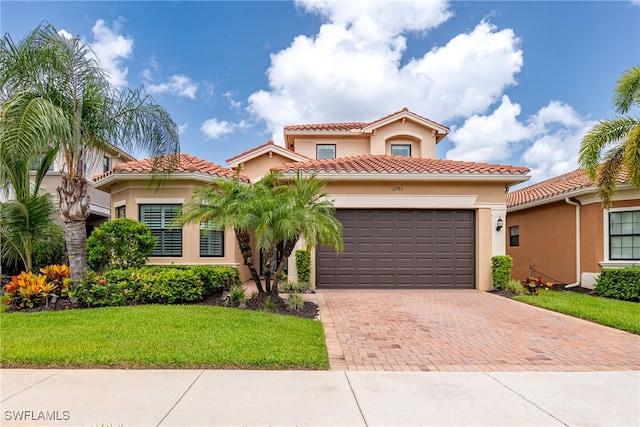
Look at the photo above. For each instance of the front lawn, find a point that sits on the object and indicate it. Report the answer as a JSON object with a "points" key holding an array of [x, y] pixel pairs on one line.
{"points": [[161, 336], [624, 315]]}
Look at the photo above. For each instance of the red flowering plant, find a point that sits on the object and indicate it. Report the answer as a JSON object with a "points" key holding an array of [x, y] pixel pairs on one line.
{"points": [[534, 284]]}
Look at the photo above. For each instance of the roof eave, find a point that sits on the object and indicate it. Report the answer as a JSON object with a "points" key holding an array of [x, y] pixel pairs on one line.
{"points": [[146, 176], [508, 179]]}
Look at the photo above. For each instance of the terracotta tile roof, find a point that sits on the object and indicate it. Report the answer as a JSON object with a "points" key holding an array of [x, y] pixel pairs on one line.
{"points": [[562, 184], [371, 164], [348, 126], [259, 147], [340, 127], [186, 163]]}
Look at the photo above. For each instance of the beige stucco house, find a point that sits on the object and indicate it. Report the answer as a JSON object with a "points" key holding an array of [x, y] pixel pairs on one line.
{"points": [[409, 219], [559, 229]]}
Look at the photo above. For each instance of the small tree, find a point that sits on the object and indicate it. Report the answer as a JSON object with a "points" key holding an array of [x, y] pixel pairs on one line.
{"points": [[121, 243]]}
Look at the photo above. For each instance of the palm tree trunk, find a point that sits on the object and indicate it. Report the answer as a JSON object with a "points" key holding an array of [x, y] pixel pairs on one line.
{"points": [[266, 268], [74, 208], [244, 242], [286, 253]]}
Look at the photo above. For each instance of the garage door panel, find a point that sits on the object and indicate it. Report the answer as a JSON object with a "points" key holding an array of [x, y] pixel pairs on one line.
{"points": [[401, 248]]}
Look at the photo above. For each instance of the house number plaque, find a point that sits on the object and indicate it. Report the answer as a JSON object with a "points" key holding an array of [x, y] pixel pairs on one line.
{"points": [[397, 189]]}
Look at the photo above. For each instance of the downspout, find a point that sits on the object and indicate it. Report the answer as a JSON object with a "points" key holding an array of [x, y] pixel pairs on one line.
{"points": [[578, 254]]}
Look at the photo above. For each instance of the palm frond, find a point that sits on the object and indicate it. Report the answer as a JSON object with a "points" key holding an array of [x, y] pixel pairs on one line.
{"points": [[627, 92]]}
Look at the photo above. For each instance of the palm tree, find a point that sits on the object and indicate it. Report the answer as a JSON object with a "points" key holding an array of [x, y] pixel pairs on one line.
{"points": [[272, 211], [310, 214], [622, 135], [26, 217], [53, 81], [226, 204]]}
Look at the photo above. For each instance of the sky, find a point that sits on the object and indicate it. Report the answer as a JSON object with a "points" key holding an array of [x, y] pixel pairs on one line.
{"points": [[517, 83]]}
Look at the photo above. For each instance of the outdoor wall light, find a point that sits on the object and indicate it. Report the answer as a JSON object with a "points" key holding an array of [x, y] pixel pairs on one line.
{"points": [[499, 224]]}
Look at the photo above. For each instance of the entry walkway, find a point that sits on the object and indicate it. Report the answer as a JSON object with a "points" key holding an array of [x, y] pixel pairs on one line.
{"points": [[46, 397], [463, 330]]}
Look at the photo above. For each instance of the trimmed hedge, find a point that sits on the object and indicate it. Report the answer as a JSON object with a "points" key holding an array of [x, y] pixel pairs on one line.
{"points": [[154, 285], [619, 283], [501, 270], [303, 265]]}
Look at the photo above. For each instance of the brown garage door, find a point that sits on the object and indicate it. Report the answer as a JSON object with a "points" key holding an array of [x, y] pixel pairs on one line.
{"points": [[401, 248]]}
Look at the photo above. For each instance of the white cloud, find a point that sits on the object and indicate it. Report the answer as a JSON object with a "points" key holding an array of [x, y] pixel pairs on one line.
{"points": [[214, 128], [352, 69], [66, 34], [110, 49], [552, 137], [177, 84], [559, 132], [183, 128], [489, 138]]}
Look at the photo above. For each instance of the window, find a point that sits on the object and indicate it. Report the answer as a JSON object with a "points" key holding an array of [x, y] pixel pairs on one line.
{"points": [[325, 151], [158, 218], [624, 235], [106, 164], [121, 211], [36, 164], [514, 235], [403, 150], [211, 241]]}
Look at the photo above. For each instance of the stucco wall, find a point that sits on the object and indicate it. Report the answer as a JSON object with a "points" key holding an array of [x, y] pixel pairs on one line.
{"points": [[424, 145], [132, 194], [345, 147], [547, 241], [260, 166]]}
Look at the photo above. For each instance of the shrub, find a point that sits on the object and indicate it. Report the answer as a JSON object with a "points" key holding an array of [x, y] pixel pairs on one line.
{"points": [[32, 290], [236, 296], [534, 284], [60, 276], [28, 290], [96, 291], [303, 265], [295, 301], [52, 250], [501, 270], [148, 285], [169, 285], [217, 277], [268, 304], [515, 287], [121, 243], [619, 283], [291, 286]]}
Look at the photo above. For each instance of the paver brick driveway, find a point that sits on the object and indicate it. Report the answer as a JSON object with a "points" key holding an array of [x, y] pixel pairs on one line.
{"points": [[453, 330]]}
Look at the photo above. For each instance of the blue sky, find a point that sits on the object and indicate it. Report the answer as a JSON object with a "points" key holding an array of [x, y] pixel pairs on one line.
{"points": [[517, 82]]}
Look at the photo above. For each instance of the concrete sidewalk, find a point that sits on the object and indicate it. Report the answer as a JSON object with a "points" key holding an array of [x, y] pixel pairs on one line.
{"points": [[56, 397]]}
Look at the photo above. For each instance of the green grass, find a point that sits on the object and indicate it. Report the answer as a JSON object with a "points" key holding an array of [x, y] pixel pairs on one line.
{"points": [[159, 336], [624, 315]]}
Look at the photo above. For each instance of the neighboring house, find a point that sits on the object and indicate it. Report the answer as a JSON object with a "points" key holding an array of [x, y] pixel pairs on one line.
{"points": [[100, 201], [409, 219], [559, 229]]}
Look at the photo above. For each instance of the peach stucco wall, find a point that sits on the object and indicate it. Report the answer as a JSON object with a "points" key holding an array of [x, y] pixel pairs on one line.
{"points": [[259, 166], [547, 241], [424, 145], [132, 194], [345, 147]]}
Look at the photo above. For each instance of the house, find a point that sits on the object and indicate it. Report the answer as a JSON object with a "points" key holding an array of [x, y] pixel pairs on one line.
{"points": [[559, 229], [409, 219], [97, 162]]}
